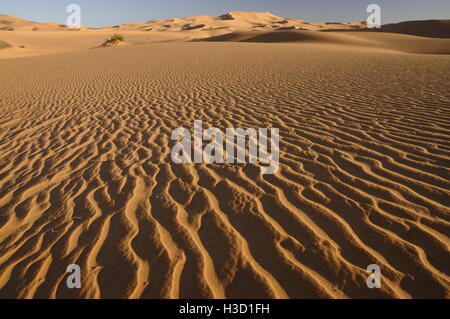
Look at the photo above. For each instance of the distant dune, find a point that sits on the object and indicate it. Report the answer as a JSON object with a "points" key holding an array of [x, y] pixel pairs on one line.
{"points": [[426, 28], [234, 26], [394, 42], [12, 23], [235, 20], [232, 21]]}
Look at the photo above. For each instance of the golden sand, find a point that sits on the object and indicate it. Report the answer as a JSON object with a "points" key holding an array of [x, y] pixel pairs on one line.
{"points": [[86, 175]]}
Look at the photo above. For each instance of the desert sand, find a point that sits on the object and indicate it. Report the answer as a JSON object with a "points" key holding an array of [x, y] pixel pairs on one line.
{"points": [[22, 38], [426, 28], [86, 175]]}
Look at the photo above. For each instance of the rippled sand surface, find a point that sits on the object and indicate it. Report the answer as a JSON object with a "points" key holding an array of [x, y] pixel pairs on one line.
{"points": [[86, 175]]}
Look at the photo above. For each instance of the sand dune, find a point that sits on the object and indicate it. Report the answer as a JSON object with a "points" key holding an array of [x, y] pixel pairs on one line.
{"points": [[12, 23], [42, 43], [232, 21], [238, 21], [426, 28], [235, 20], [234, 26], [86, 175], [382, 41]]}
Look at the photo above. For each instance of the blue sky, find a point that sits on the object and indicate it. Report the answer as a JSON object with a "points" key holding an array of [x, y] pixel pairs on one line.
{"points": [[97, 13]]}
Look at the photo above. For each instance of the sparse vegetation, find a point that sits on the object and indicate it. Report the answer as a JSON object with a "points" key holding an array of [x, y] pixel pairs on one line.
{"points": [[115, 39]]}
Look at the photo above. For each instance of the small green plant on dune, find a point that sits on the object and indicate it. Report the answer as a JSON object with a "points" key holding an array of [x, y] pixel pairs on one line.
{"points": [[116, 38]]}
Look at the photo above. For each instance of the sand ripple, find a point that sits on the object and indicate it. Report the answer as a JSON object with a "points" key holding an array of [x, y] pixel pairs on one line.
{"points": [[86, 175]]}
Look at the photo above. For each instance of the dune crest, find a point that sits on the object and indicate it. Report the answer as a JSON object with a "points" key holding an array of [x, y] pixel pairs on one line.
{"points": [[234, 20], [12, 23], [237, 20]]}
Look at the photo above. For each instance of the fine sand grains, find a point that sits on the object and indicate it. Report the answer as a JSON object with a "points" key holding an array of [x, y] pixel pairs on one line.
{"points": [[86, 175]]}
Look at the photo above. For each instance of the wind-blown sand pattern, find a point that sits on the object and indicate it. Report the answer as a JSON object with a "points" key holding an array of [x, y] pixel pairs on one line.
{"points": [[86, 175]]}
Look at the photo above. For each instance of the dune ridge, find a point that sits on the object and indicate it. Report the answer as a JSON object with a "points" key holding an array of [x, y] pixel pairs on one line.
{"points": [[12, 23], [236, 20], [86, 175], [232, 21]]}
